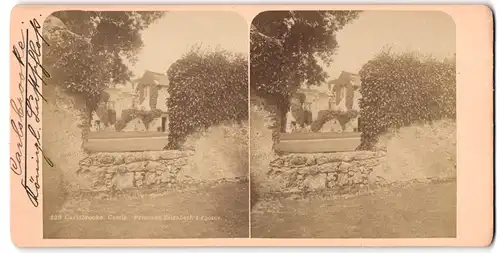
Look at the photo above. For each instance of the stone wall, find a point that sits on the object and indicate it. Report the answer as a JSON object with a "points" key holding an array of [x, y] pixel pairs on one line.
{"points": [[128, 170], [310, 172], [66, 122], [261, 145], [420, 151], [220, 151]]}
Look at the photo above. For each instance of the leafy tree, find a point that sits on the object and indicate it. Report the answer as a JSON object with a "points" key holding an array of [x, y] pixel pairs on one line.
{"points": [[88, 49], [206, 88], [286, 50]]}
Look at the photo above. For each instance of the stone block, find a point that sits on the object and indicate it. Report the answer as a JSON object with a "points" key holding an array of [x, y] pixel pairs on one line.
{"points": [[311, 161], [298, 160], [363, 155], [370, 162], [330, 176], [358, 178], [87, 161], [278, 162], [119, 159], [165, 177], [139, 182], [139, 174], [131, 157], [342, 179], [82, 169], [139, 178], [173, 154], [121, 169], [108, 175], [150, 178], [346, 158], [154, 166], [180, 162], [322, 160], [312, 170], [123, 180], [104, 158], [328, 167], [344, 167], [136, 166], [315, 182], [331, 184], [108, 183]]}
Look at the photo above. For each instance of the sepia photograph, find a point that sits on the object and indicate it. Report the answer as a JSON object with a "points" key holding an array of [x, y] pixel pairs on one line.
{"points": [[251, 125], [145, 122], [353, 124]]}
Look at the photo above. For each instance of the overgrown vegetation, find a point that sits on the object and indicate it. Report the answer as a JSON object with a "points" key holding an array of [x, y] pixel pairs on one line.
{"points": [[130, 114], [302, 116], [106, 115], [87, 49], [287, 48], [206, 88], [327, 115], [402, 89]]}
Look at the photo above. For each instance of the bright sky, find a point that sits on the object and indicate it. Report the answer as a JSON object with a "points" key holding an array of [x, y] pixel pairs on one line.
{"points": [[170, 37], [428, 32]]}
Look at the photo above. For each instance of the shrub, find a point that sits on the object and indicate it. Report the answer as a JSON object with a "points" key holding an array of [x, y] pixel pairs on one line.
{"points": [[400, 89], [206, 88], [326, 115]]}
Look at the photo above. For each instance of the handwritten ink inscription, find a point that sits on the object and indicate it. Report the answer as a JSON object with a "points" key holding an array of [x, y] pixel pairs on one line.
{"points": [[25, 117]]}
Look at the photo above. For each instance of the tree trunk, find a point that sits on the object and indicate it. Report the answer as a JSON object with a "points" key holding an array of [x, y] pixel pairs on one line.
{"points": [[278, 112]]}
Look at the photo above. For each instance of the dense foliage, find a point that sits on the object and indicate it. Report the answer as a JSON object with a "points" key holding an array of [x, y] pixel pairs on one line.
{"points": [[288, 49], [106, 115], [130, 114], [87, 50], [402, 89], [206, 88], [325, 115]]}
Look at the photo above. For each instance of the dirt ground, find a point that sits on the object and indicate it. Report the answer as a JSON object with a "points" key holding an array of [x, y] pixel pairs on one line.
{"points": [[417, 211], [219, 211]]}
